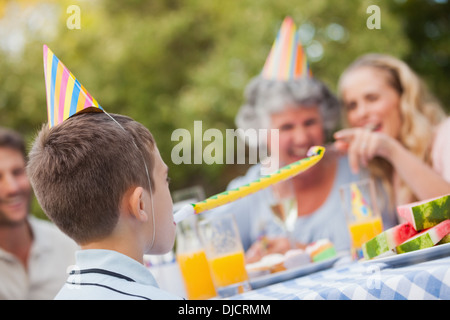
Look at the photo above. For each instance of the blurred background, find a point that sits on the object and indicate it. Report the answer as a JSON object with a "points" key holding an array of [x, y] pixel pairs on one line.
{"points": [[169, 63]]}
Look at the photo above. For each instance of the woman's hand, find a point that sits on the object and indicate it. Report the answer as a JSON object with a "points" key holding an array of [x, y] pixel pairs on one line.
{"points": [[362, 145]]}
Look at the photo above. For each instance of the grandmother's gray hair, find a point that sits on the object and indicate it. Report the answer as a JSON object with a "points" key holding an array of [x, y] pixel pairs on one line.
{"points": [[265, 97]]}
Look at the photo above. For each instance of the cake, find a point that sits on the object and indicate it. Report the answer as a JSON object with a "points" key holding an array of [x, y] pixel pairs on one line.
{"points": [[320, 250], [296, 257]]}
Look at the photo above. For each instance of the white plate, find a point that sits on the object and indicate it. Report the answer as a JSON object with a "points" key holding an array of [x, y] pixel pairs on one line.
{"points": [[439, 251], [262, 281]]}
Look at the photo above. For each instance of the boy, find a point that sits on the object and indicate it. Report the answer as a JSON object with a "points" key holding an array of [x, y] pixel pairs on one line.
{"points": [[101, 180]]}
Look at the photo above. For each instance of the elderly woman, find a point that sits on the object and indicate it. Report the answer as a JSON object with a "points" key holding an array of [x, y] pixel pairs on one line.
{"points": [[305, 112], [286, 97], [398, 130]]}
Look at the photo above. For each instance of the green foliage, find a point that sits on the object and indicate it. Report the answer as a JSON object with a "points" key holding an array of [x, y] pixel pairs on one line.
{"points": [[168, 63], [427, 26]]}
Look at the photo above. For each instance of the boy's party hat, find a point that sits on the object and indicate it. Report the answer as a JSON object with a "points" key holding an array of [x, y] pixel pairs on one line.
{"points": [[65, 95], [286, 60]]}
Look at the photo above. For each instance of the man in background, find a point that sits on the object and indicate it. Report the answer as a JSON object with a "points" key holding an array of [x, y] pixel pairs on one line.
{"points": [[34, 254]]}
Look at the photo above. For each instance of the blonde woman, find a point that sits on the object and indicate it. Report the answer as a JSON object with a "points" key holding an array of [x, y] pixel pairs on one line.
{"points": [[395, 128]]}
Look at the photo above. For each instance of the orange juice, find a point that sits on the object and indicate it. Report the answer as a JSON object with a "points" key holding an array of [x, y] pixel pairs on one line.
{"points": [[228, 269], [197, 277], [362, 231]]}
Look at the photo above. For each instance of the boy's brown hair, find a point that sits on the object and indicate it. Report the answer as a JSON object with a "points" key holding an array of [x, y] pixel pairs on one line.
{"points": [[81, 168]]}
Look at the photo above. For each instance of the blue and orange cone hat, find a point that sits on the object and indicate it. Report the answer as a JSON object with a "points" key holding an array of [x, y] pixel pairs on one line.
{"points": [[66, 96], [287, 59]]}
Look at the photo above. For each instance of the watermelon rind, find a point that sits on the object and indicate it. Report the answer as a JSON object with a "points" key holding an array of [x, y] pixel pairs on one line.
{"points": [[387, 240], [431, 213], [418, 242], [426, 238], [445, 239], [375, 246]]}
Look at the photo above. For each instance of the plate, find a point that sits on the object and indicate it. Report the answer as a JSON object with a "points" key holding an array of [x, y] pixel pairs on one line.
{"points": [[262, 281], [439, 251]]}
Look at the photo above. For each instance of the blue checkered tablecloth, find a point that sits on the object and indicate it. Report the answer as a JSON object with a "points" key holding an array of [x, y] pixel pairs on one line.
{"points": [[426, 280]]}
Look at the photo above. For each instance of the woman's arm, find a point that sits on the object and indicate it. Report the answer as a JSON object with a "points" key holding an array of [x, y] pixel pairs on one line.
{"points": [[362, 145]]}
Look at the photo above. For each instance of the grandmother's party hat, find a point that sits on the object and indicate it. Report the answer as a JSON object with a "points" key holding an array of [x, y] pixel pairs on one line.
{"points": [[66, 96], [286, 60]]}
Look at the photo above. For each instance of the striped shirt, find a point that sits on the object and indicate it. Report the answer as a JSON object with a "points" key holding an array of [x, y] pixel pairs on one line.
{"points": [[110, 275]]}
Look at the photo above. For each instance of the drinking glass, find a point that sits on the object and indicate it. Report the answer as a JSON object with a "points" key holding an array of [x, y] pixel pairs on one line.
{"points": [[192, 261], [362, 214], [283, 206], [225, 254]]}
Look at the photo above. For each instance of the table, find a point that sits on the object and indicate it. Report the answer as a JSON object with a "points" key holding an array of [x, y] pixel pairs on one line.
{"points": [[425, 280]]}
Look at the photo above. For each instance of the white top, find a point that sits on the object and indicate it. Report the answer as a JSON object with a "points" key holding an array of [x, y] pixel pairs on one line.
{"points": [[51, 253], [110, 275]]}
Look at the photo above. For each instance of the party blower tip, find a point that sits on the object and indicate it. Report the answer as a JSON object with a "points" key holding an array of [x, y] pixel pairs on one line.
{"points": [[185, 212]]}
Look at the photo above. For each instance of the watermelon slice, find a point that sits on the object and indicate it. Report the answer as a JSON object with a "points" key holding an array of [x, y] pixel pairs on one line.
{"points": [[445, 239], [426, 238], [385, 242], [426, 214]]}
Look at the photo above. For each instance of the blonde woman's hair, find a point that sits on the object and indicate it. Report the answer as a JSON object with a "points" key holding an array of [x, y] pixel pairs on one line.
{"points": [[420, 114]]}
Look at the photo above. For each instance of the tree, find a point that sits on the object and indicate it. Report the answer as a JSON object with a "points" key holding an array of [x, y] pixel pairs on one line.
{"points": [[169, 63], [427, 27]]}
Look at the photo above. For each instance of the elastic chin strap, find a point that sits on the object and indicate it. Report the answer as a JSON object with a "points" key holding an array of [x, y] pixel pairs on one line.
{"points": [[148, 179], [151, 198]]}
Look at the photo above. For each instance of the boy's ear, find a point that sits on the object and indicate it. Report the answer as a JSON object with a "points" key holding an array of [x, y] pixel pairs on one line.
{"points": [[137, 204]]}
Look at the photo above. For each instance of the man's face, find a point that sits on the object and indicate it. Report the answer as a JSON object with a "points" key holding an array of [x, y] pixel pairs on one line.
{"points": [[15, 188]]}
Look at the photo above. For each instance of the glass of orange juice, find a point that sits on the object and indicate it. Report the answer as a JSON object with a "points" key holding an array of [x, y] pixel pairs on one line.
{"points": [[192, 262], [363, 216], [225, 254]]}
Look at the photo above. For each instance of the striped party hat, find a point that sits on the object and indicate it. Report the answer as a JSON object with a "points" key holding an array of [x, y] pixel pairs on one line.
{"points": [[286, 60], [66, 96]]}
